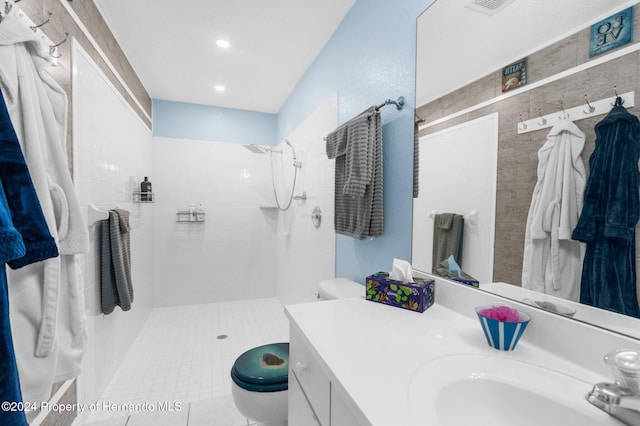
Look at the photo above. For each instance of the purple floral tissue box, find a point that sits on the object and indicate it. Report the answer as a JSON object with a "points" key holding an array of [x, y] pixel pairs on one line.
{"points": [[415, 296]]}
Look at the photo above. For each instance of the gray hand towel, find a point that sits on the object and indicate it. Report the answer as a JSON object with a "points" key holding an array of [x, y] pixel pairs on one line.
{"points": [[448, 230], [115, 276]]}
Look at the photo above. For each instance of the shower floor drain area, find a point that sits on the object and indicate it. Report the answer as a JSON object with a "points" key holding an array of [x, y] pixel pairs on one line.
{"points": [[222, 336]]}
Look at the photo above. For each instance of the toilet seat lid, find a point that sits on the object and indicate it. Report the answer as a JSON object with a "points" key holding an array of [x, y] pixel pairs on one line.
{"points": [[263, 365], [340, 288]]}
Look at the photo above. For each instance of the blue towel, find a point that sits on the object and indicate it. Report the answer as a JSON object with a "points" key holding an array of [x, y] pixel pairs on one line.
{"points": [[24, 239]]}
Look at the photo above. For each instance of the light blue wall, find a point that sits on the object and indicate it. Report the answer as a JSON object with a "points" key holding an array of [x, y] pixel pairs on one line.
{"points": [[370, 58], [191, 121]]}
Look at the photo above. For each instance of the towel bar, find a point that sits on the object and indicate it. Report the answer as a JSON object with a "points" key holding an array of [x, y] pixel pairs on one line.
{"points": [[471, 218], [95, 215]]}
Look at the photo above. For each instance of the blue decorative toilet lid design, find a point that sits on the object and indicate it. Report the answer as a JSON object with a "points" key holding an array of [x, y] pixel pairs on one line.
{"points": [[266, 364]]}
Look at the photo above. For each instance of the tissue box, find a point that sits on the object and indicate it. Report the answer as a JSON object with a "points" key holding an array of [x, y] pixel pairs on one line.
{"points": [[415, 296], [451, 275]]}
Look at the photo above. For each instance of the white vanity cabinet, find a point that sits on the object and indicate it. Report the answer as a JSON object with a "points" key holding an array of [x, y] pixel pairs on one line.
{"points": [[312, 402], [300, 411], [310, 385], [341, 415]]}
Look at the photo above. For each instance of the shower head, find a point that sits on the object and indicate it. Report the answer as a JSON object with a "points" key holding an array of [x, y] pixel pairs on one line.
{"points": [[255, 149], [292, 150], [258, 149]]}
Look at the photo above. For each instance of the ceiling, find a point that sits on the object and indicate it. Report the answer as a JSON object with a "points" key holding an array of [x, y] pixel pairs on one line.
{"points": [[172, 46], [457, 45], [273, 42]]}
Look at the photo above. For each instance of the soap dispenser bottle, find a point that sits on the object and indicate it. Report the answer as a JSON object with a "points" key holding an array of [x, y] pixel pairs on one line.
{"points": [[146, 192]]}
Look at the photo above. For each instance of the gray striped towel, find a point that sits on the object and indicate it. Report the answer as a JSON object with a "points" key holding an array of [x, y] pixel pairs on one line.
{"points": [[357, 148], [116, 287]]}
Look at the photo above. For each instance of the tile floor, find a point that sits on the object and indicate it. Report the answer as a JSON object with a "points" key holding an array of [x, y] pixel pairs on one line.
{"points": [[177, 372]]}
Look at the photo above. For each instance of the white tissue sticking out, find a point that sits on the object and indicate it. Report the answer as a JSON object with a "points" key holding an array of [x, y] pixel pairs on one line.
{"points": [[401, 271]]}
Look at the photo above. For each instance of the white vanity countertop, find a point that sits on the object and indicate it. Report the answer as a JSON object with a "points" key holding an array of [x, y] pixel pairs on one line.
{"points": [[370, 351]]}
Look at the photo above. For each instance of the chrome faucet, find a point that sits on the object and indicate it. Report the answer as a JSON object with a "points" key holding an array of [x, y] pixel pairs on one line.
{"points": [[622, 398]]}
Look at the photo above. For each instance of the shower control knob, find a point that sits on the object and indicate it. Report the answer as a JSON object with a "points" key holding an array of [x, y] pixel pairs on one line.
{"points": [[316, 216]]}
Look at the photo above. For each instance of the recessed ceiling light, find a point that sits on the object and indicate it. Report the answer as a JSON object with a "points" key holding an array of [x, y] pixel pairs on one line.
{"points": [[222, 43], [219, 87]]}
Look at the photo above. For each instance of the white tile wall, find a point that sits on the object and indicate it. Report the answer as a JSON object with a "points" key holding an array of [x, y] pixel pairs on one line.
{"points": [[231, 255], [112, 150], [305, 253], [245, 248]]}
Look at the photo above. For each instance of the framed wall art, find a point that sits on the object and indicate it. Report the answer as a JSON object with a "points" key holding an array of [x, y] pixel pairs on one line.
{"points": [[611, 32], [514, 75]]}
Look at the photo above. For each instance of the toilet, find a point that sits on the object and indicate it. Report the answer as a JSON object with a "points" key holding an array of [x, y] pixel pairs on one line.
{"points": [[339, 288], [260, 379], [260, 376]]}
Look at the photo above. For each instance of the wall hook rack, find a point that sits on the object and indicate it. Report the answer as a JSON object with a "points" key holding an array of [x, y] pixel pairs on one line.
{"points": [[600, 107]]}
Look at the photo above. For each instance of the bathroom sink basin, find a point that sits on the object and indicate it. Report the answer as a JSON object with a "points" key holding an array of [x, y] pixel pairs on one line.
{"points": [[473, 389]]}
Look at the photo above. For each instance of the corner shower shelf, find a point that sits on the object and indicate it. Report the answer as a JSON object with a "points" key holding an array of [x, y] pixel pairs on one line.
{"points": [[143, 197]]}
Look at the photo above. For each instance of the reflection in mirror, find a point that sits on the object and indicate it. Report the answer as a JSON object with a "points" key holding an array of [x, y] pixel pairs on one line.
{"points": [[459, 83], [473, 148]]}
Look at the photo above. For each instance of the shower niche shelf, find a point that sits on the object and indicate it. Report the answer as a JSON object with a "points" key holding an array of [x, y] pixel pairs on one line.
{"points": [[143, 197]]}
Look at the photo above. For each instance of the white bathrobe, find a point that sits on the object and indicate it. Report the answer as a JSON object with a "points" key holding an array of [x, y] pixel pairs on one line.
{"points": [[38, 109], [552, 260]]}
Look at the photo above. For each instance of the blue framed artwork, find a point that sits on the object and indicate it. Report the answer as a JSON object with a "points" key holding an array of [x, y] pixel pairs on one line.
{"points": [[612, 32]]}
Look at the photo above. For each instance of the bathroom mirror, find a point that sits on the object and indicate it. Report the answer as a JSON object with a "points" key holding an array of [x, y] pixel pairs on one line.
{"points": [[462, 49]]}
